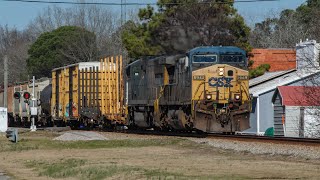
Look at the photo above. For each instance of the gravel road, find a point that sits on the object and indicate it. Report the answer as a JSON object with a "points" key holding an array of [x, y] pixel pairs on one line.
{"points": [[3, 176], [308, 152]]}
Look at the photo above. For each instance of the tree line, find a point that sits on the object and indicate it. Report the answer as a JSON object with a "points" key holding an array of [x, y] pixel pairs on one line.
{"points": [[61, 36]]}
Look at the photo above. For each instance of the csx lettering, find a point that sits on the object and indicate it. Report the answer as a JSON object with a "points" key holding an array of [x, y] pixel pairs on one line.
{"points": [[220, 82]]}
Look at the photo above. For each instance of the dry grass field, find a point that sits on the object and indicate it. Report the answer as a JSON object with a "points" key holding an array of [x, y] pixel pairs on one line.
{"points": [[38, 156]]}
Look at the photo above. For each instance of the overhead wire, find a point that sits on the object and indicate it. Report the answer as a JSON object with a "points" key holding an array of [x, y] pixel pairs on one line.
{"points": [[133, 3]]}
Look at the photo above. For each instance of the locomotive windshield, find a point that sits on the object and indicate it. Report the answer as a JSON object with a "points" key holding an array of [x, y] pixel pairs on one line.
{"points": [[232, 59], [204, 58]]}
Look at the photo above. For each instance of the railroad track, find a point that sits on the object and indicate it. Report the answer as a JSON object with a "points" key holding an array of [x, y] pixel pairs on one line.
{"points": [[252, 138], [255, 138], [238, 137]]}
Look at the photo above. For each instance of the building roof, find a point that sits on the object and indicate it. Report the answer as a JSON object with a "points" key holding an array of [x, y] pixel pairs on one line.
{"points": [[298, 95], [267, 76], [278, 59], [268, 84]]}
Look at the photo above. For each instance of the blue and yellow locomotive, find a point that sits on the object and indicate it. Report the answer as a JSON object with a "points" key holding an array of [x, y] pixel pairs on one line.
{"points": [[207, 89]]}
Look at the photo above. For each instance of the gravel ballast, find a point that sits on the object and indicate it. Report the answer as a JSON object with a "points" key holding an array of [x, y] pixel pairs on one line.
{"points": [[309, 152], [3, 176], [80, 136], [258, 148]]}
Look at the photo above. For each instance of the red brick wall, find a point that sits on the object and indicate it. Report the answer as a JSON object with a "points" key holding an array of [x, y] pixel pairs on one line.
{"points": [[279, 59]]}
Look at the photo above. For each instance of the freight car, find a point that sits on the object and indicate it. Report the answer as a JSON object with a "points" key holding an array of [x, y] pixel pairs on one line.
{"points": [[88, 94], [206, 89], [18, 107]]}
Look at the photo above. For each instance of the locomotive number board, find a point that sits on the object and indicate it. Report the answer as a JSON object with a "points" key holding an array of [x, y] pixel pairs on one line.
{"points": [[243, 77], [199, 77]]}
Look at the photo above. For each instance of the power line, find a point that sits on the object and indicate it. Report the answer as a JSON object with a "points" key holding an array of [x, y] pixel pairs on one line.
{"points": [[130, 4]]}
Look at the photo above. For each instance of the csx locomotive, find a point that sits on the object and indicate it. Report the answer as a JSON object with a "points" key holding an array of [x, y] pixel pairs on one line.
{"points": [[207, 90]]}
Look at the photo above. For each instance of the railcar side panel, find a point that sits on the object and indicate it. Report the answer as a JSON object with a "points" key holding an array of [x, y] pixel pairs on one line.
{"points": [[89, 92]]}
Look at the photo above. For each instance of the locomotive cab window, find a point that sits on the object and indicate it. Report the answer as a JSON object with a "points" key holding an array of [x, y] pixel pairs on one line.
{"points": [[205, 58], [232, 59]]}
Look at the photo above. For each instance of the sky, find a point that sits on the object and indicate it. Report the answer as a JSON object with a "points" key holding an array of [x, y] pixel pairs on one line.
{"points": [[19, 14]]}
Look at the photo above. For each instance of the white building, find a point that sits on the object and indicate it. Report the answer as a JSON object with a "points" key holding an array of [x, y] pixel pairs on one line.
{"points": [[263, 88]]}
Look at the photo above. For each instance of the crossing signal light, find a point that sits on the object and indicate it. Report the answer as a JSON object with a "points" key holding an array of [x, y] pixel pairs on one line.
{"points": [[26, 95], [17, 95]]}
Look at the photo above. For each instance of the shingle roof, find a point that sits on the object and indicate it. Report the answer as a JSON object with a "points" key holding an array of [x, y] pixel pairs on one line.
{"points": [[299, 95], [280, 80], [267, 76]]}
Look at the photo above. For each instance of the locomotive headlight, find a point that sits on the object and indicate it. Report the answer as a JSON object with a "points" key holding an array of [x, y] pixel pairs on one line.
{"points": [[237, 97], [221, 71], [208, 96]]}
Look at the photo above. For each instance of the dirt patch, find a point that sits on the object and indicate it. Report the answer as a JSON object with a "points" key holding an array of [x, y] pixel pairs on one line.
{"points": [[144, 158]]}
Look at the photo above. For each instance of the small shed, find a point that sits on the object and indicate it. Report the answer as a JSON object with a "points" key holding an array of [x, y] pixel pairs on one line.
{"points": [[296, 111]]}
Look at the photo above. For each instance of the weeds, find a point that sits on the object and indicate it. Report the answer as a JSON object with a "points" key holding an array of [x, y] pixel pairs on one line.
{"points": [[62, 169], [45, 143], [81, 169]]}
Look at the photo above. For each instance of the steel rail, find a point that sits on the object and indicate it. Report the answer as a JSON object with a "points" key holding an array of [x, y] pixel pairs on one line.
{"points": [[252, 138], [237, 137], [315, 141]]}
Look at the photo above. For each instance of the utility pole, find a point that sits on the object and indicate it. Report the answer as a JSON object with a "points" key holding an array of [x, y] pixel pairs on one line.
{"points": [[125, 11], [121, 13], [33, 108], [5, 94]]}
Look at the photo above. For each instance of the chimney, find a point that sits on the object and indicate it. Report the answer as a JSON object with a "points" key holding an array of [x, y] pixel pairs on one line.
{"points": [[307, 55]]}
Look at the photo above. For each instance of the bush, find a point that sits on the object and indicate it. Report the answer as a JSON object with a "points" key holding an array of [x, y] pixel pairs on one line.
{"points": [[259, 71]]}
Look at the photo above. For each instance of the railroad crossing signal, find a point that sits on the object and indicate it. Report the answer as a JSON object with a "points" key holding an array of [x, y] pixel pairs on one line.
{"points": [[26, 95], [12, 134], [17, 95]]}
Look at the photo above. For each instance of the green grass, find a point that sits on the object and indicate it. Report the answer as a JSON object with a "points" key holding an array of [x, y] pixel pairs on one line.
{"points": [[31, 144], [62, 169], [81, 169], [86, 169]]}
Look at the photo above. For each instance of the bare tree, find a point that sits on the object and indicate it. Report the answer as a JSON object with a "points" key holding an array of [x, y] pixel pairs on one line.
{"points": [[82, 50], [281, 32], [103, 21], [15, 44], [308, 68], [100, 20]]}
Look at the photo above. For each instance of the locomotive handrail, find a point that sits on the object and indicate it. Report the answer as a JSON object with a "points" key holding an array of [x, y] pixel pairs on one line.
{"points": [[249, 98], [198, 89]]}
